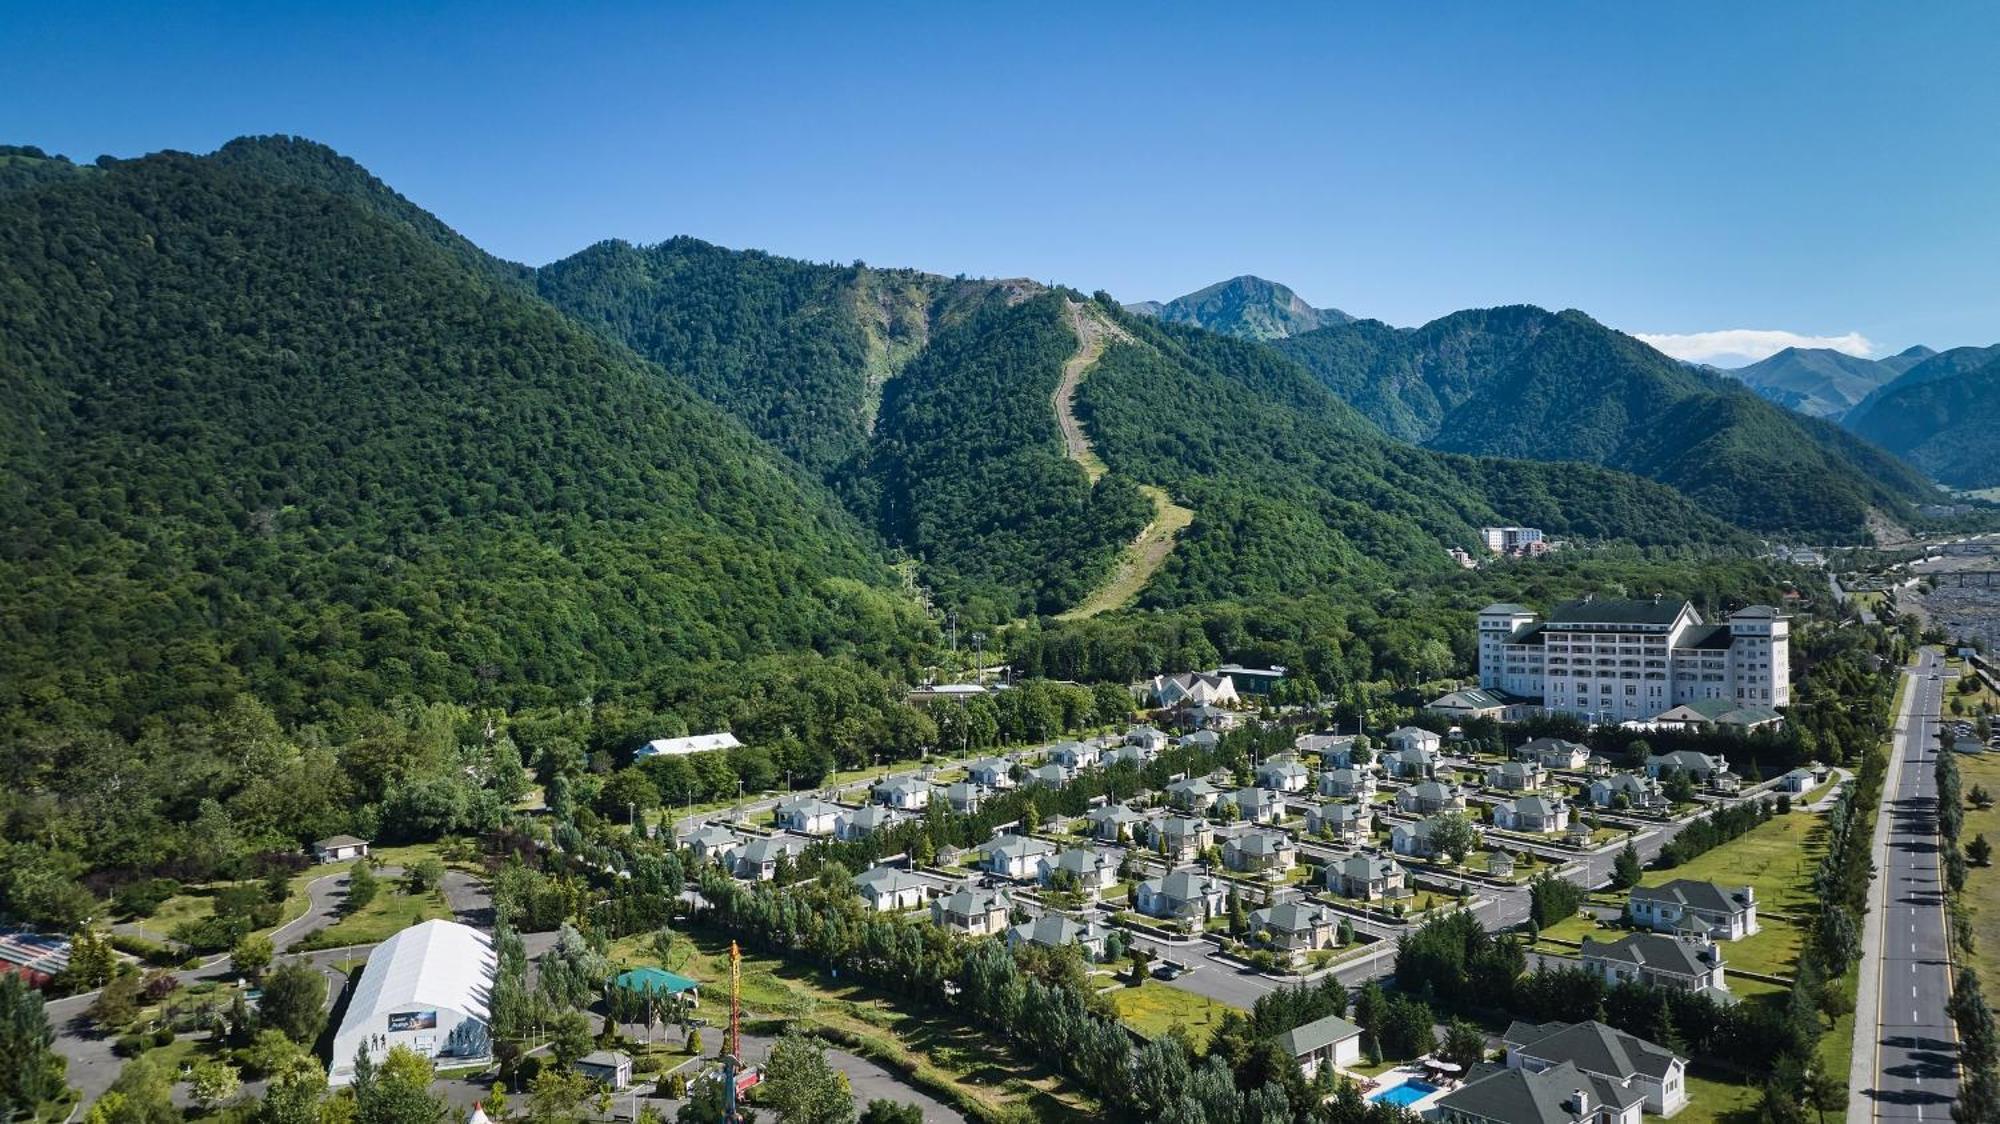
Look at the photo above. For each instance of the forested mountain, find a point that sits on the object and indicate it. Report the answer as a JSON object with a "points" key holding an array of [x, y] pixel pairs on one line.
{"points": [[1938, 366], [1292, 489], [1944, 420], [798, 351], [24, 166], [1819, 381], [262, 436], [1246, 306], [1524, 382]]}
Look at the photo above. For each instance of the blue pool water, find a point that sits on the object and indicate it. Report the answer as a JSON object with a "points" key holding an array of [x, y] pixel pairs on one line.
{"points": [[1406, 1094]]}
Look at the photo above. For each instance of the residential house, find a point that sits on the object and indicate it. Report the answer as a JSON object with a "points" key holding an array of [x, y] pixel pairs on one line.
{"points": [[1358, 784], [1533, 814], [1724, 913], [886, 889], [1429, 797], [1332, 751], [1148, 739], [1256, 805], [1125, 755], [1700, 767], [1013, 856], [758, 858], [1261, 852], [1682, 963], [1414, 763], [1181, 839], [963, 797], [1283, 775], [1199, 739], [1075, 756], [1367, 877], [808, 815], [1192, 688], [1604, 1052], [1209, 717], [1349, 823], [975, 912], [1414, 839], [1555, 753], [1797, 782], [1053, 930], [1297, 926], [339, 848], [1726, 713], [1051, 775], [1561, 1094], [1517, 776], [1329, 1041], [1093, 870], [711, 843], [1114, 823], [908, 794], [1195, 794], [860, 823], [1414, 737], [1187, 895], [992, 772], [1627, 790]]}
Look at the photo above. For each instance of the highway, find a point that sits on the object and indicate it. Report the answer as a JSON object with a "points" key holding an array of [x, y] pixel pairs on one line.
{"points": [[1905, 1050]]}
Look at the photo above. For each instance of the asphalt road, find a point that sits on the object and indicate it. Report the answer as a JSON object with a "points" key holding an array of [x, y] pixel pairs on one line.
{"points": [[1910, 1057]]}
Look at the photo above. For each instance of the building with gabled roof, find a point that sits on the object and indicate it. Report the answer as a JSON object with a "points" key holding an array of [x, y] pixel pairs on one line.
{"points": [[886, 888], [1604, 1052], [1114, 822], [1187, 895], [1283, 775], [1261, 852], [1687, 962], [1560, 1094], [859, 823], [1517, 776], [908, 794], [1368, 878], [1014, 856], [1053, 930], [1350, 823], [1328, 1041], [808, 815], [1532, 814], [1181, 839], [1637, 791], [426, 988], [1429, 797], [975, 912], [757, 859], [1192, 688], [1092, 869], [1297, 925], [1359, 784], [1724, 913]]}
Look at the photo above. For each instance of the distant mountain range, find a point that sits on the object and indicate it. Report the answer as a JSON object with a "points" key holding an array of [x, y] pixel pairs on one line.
{"points": [[1821, 382], [1247, 307], [1525, 382], [1942, 415]]}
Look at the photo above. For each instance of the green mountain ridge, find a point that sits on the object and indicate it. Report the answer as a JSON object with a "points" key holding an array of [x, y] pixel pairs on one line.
{"points": [[1247, 306], [1940, 416], [1818, 381], [1523, 382], [267, 436]]}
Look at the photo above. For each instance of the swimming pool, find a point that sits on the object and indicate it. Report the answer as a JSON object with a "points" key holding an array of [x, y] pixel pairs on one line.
{"points": [[1404, 1095]]}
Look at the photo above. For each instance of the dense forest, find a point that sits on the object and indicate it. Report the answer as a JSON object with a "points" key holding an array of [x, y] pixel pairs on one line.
{"points": [[1524, 382], [1293, 490], [259, 437], [1940, 420]]}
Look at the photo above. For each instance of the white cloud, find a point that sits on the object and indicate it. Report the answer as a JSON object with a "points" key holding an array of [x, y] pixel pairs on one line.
{"points": [[1749, 344]]}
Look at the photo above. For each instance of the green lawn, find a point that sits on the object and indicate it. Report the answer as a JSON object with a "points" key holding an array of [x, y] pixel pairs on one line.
{"points": [[1153, 1008], [389, 913], [1982, 883], [1777, 857], [1715, 1101], [1773, 949]]}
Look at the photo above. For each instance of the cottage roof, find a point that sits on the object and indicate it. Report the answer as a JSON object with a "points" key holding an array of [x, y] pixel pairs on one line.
{"points": [[1519, 1096], [1317, 1035], [1593, 1048], [1053, 930], [1692, 894], [887, 880], [1294, 916], [1651, 950], [1261, 843]]}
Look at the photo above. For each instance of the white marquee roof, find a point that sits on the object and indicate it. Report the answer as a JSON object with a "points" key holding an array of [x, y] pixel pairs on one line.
{"points": [[438, 964]]}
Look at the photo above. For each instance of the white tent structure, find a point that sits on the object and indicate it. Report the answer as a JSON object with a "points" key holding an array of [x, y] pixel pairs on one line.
{"points": [[676, 747], [426, 988]]}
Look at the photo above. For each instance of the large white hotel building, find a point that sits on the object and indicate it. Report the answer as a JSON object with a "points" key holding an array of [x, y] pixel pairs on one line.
{"points": [[1609, 660]]}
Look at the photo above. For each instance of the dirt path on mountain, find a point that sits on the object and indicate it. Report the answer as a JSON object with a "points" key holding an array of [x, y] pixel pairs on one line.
{"points": [[1141, 558]]}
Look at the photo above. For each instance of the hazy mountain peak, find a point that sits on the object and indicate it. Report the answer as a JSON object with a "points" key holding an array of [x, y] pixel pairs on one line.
{"points": [[1247, 306]]}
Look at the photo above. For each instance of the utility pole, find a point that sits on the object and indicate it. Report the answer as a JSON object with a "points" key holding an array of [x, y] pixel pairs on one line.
{"points": [[979, 656]]}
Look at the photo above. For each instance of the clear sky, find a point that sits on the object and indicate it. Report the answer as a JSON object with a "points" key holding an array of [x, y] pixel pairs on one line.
{"points": [[1824, 170]]}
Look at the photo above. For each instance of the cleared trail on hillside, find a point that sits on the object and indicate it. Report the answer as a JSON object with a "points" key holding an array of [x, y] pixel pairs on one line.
{"points": [[1144, 555]]}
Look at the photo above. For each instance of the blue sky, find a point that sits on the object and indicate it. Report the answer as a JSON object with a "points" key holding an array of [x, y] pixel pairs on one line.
{"points": [[1821, 170]]}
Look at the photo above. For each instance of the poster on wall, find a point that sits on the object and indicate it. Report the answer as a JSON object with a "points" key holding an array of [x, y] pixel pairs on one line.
{"points": [[413, 1020]]}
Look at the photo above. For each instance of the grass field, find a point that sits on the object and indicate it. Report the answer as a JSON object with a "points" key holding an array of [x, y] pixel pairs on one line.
{"points": [[391, 911], [1982, 883], [1153, 1008], [1777, 857], [938, 1051]]}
